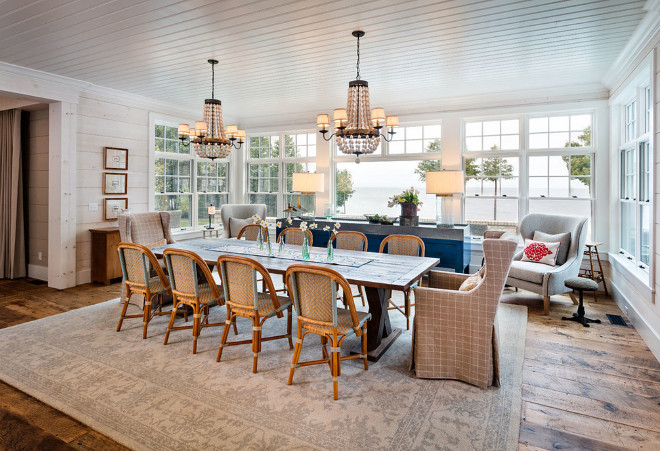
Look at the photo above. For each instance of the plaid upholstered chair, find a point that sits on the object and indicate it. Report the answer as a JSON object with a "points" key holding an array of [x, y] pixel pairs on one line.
{"points": [[314, 292], [149, 229], [137, 265], [183, 268], [454, 331], [251, 232], [239, 285], [352, 241], [403, 245], [294, 235]]}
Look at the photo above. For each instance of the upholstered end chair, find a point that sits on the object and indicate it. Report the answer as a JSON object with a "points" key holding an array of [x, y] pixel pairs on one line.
{"points": [[236, 216], [454, 332], [147, 229], [544, 279]]}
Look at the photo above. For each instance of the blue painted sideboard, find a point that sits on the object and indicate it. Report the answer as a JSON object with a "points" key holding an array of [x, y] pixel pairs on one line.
{"points": [[450, 245]]}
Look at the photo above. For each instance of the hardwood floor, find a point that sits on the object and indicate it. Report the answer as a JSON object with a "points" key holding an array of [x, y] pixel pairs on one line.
{"points": [[583, 388]]}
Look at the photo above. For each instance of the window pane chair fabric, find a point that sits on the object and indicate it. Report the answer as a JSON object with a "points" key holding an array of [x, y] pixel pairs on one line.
{"points": [[410, 245], [242, 298], [314, 293], [239, 211], [251, 232], [454, 332], [543, 279], [183, 267], [294, 235], [138, 264], [352, 241]]}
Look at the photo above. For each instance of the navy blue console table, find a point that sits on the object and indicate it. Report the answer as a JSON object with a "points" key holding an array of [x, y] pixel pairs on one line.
{"points": [[450, 245]]}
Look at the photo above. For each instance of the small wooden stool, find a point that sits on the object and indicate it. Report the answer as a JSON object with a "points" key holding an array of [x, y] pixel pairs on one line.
{"points": [[581, 285], [596, 275], [210, 233]]}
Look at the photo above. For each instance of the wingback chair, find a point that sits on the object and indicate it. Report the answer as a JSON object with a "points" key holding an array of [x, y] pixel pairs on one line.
{"points": [[544, 279], [454, 332], [147, 229], [236, 216]]}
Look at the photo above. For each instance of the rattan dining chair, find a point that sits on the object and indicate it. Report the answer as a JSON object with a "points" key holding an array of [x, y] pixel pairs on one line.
{"points": [[294, 235], [403, 245], [138, 264], [183, 268], [251, 232], [314, 293], [353, 241], [242, 298]]}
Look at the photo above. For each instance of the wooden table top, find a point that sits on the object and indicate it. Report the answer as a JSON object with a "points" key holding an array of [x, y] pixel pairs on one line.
{"points": [[393, 272]]}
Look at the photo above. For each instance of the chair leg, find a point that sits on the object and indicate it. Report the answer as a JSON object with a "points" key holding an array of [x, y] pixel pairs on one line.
{"points": [[123, 312], [362, 296], [289, 321], [364, 346], [335, 367], [171, 323], [546, 305], [146, 313], [296, 353], [406, 308], [225, 333], [256, 342], [197, 317]]}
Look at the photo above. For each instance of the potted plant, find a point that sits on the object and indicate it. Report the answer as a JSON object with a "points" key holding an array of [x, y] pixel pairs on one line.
{"points": [[373, 219], [410, 203], [384, 220]]}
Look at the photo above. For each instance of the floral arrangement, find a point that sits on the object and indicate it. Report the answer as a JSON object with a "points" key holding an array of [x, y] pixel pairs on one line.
{"points": [[256, 219], [408, 196], [335, 229]]}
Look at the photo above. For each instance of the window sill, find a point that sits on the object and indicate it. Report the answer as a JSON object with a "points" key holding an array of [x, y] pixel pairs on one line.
{"points": [[631, 268]]}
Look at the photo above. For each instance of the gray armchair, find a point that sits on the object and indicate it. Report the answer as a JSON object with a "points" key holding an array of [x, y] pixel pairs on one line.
{"points": [[148, 229], [240, 215], [543, 279]]}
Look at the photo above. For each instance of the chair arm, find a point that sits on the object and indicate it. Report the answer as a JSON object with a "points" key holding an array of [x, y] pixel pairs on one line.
{"points": [[493, 234], [553, 280], [445, 280]]}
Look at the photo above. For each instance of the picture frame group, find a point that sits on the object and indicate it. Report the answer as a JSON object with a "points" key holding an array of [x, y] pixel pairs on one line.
{"points": [[115, 183]]}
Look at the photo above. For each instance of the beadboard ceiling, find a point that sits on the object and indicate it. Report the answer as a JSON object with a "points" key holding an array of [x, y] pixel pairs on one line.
{"points": [[278, 57]]}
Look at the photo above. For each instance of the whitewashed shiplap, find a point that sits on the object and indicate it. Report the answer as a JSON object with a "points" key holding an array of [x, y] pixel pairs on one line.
{"points": [[36, 189]]}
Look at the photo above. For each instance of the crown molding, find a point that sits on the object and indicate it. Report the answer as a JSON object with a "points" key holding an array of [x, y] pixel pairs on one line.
{"points": [[645, 37]]}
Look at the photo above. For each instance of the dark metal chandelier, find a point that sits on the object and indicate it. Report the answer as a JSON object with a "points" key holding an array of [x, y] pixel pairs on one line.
{"points": [[357, 128], [209, 137]]}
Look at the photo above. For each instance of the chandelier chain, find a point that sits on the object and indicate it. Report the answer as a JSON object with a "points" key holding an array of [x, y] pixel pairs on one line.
{"points": [[357, 65]]}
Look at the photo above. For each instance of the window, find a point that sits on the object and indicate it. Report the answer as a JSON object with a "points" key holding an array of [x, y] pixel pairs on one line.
{"points": [[185, 184], [648, 108], [270, 170], [492, 189], [418, 139], [492, 135], [555, 132], [631, 121]]}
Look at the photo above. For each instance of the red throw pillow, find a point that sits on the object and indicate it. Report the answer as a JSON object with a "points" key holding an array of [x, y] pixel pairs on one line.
{"points": [[540, 252]]}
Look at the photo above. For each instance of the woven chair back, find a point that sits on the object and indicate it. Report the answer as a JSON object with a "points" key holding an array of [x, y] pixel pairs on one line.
{"points": [[239, 281], [403, 245], [294, 235], [350, 240], [138, 264], [184, 268], [251, 232], [314, 293]]}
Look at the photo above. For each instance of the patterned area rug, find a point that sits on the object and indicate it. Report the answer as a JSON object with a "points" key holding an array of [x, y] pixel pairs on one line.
{"points": [[149, 396]]}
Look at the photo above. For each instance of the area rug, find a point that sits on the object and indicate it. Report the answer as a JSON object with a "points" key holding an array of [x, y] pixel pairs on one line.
{"points": [[149, 396]]}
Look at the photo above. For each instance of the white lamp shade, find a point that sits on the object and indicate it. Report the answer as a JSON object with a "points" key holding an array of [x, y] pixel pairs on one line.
{"points": [[240, 134], [392, 121], [322, 120], [232, 129], [184, 129], [307, 182], [200, 127], [378, 114], [444, 182], [211, 209], [339, 115]]}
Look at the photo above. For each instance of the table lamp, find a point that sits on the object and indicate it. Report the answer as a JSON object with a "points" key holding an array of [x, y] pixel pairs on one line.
{"points": [[307, 183], [444, 184], [211, 213]]}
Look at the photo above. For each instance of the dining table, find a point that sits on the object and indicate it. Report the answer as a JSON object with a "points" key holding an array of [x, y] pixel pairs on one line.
{"points": [[379, 274]]}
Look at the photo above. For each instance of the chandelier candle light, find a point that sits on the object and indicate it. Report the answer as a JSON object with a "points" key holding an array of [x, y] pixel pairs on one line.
{"points": [[357, 128], [209, 138], [444, 184]]}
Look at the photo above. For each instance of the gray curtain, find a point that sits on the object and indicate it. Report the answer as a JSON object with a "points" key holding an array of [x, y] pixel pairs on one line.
{"points": [[12, 225]]}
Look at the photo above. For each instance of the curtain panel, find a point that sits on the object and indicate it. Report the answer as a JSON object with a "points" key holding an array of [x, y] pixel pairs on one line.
{"points": [[12, 224]]}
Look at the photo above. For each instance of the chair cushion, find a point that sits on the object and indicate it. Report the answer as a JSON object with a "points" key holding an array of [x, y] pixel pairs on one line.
{"points": [[236, 225], [162, 242], [529, 271], [470, 283], [344, 323], [563, 238], [539, 252]]}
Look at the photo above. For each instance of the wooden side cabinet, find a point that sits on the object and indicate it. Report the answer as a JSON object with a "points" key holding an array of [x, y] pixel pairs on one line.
{"points": [[105, 259]]}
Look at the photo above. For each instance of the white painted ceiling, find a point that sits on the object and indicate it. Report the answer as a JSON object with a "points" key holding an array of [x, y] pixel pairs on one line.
{"points": [[278, 57]]}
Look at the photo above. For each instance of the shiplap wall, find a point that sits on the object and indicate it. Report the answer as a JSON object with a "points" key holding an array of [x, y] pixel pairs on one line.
{"points": [[37, 191], [107, 123]]}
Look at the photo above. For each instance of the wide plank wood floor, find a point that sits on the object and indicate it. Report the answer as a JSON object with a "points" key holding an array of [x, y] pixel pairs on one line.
{"points": [[583, 388]]}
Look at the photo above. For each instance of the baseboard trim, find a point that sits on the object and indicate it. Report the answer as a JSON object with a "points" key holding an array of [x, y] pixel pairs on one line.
{"points": [[648, 334], [84, 276], [38, 272]]}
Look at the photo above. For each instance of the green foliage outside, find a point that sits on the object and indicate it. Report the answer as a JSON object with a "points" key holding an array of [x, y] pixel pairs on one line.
{"points": [[579, 166], [430, 165], [345, 189]]}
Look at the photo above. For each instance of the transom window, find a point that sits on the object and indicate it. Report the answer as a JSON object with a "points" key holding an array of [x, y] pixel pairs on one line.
{"points": [[492, 135], [555, 132], [415, 139]]}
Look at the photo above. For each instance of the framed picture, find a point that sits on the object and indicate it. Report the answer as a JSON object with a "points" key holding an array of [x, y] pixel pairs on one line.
{"points": [[115, 158], [113, 206], [114, 183]]}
